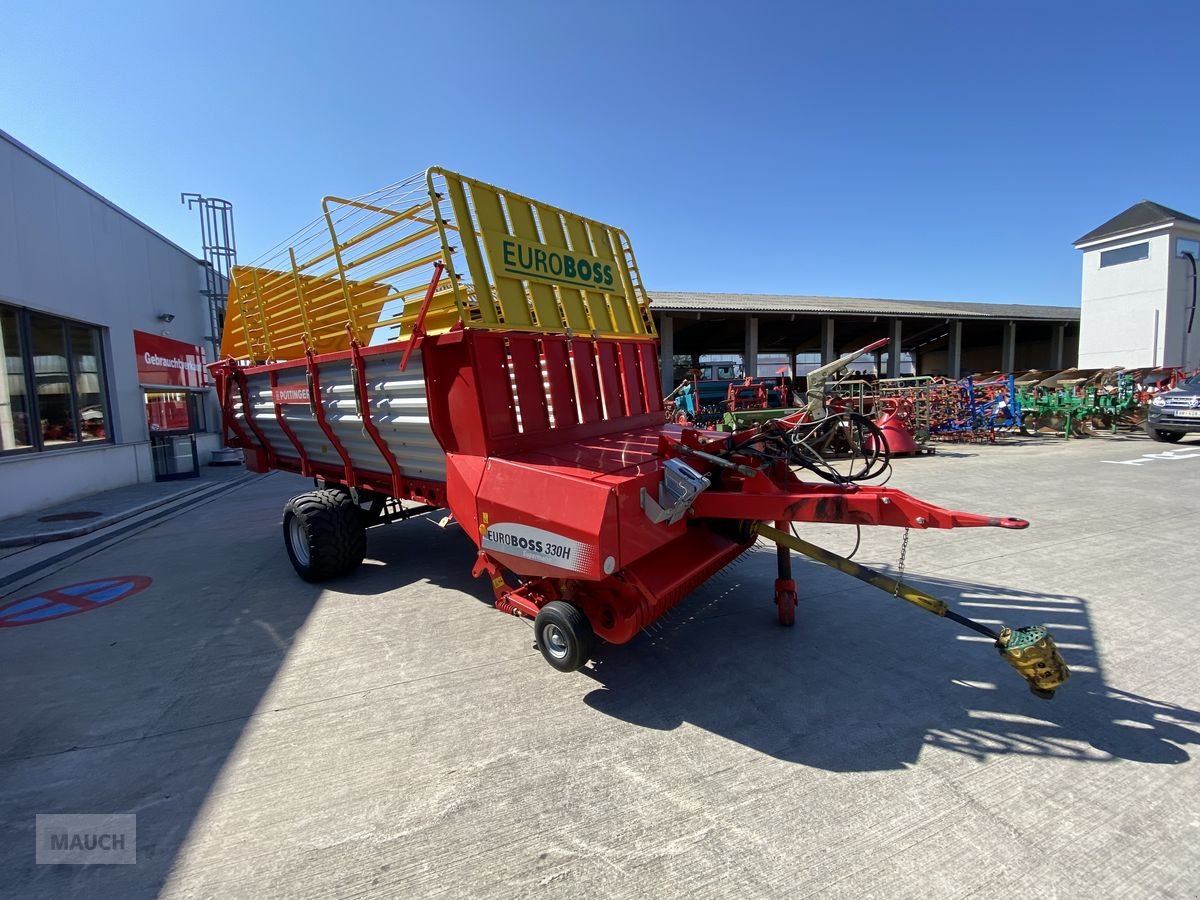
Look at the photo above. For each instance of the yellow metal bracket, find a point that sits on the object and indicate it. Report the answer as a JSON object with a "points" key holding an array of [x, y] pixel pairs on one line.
{"points": [[853, 569], [1030, 650]]}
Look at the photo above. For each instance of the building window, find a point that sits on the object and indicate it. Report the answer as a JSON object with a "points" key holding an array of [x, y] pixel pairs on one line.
{"points": [[53, 390], [1132, 253], [14, 387]]}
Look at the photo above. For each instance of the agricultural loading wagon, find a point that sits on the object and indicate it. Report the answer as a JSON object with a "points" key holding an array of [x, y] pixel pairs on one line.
{"points": [[449, 343]]}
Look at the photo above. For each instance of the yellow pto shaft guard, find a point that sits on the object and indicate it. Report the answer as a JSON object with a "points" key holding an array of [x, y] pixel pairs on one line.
{"points": [[1030, 650]]}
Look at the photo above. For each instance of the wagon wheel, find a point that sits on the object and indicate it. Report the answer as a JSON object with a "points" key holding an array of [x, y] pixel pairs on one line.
{"points": [[325, 534], [564, 635]]}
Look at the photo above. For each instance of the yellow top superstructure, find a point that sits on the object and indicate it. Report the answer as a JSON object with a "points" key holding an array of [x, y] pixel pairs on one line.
{"points": [[364, 268]]}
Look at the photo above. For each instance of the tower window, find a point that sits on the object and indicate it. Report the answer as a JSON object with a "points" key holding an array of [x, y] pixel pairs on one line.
{"points": [[1132, 253]]}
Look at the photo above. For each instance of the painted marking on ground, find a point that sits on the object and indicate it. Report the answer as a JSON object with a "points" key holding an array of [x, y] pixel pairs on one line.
{"points": [[58, 603], [1181, 453]]}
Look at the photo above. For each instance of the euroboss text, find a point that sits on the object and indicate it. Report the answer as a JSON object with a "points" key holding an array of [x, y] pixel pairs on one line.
{"points": [[500, 540], [529, 259]]}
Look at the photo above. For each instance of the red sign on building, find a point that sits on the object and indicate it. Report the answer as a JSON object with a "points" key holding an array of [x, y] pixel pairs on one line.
{"points": [[162, 362]]}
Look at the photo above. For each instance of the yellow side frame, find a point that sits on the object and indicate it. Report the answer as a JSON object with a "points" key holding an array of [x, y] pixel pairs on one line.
{"points": [[322, 302]]}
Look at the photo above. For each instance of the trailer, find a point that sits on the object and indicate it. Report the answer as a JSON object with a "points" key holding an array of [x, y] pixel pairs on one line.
{"points": [[445, 343]]}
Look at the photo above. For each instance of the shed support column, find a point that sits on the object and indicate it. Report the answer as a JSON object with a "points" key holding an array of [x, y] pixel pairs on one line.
{"points": [[893, 367], [750, 357], [828, 340], [1057, 341], [1008, 352], [666, 357], [954, 351]]}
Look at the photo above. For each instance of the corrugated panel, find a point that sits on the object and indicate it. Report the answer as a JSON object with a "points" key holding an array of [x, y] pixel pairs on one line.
{"points": [[398, 406]]}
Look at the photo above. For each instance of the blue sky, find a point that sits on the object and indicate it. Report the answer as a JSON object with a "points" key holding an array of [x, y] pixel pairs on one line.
{"points": [[947, 151]]}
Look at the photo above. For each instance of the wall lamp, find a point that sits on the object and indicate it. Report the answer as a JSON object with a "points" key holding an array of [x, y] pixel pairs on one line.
{"points": [[166, 318]]}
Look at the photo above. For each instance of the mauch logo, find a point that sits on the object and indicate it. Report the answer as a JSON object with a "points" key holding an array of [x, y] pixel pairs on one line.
{"points": [[83, 840]]}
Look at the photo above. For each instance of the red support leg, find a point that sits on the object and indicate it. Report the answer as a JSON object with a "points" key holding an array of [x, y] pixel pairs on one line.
{"points": [[785, 586]]}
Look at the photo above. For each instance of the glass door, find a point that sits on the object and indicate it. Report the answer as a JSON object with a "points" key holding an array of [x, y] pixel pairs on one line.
{"points": [[172, 418]]}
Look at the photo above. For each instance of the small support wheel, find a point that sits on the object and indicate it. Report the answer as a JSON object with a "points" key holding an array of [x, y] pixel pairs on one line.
{"points": [[787, 610], [785, 599], [325, 534], [564, 635]]}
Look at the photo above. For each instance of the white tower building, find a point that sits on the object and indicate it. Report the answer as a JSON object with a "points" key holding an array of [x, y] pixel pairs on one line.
{"points": [[1139, 289]]}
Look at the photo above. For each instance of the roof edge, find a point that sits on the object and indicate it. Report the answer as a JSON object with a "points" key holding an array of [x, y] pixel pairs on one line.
{"points": [[24, 148], [770, 304], [1124, 233]]}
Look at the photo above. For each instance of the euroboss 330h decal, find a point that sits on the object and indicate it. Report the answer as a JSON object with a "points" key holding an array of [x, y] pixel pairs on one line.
{"points": [[540, 546]]}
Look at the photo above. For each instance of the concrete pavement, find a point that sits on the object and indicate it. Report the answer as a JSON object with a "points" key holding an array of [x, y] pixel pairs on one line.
{"points": [[389, 734], [84, 515]]}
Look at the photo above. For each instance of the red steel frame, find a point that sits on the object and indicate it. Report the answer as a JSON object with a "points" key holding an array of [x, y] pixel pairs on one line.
{"points": [[248, 411], [228, 418], [418, 330], [318, 407], [301, 454], [358, 369]]}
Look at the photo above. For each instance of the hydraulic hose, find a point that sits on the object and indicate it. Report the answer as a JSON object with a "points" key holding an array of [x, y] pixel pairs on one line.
{"points": [[1192, 312]]}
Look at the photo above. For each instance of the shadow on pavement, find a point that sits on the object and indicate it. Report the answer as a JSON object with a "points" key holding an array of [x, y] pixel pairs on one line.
{"points": [[864, 682], [414, 551], [137, 708]]}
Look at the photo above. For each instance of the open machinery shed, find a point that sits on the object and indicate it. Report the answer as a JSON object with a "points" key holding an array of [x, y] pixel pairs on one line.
{"points": [[944, 338]]}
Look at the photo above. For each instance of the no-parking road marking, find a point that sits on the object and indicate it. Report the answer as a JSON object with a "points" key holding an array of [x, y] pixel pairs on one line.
{"points": [[58, 603], [1182, 453]]}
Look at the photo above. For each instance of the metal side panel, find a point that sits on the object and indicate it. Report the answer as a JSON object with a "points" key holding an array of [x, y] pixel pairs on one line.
{"points": [[400, 410], [341, 412], [258, 390], [398, 406]]}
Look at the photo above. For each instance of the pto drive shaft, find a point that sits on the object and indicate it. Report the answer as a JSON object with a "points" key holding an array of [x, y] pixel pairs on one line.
{"points": [[1030, 650]]}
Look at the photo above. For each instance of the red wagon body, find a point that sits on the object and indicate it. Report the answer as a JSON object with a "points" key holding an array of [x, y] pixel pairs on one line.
{"points": [[546, 441]]}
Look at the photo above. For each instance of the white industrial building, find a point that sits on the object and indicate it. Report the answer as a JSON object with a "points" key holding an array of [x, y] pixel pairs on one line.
{"points": [[104, 326], [1138, 292]]}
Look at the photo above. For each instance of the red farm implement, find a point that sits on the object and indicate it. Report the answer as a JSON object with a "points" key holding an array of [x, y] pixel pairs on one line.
{"points": [[519, 388]]}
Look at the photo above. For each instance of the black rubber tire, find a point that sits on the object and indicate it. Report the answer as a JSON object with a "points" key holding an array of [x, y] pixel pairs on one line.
{"points": [[569, 645], [335, 531], [1166, 437]]}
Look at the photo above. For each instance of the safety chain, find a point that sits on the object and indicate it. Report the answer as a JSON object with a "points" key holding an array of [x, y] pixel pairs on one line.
{"points": [[900, 567]]}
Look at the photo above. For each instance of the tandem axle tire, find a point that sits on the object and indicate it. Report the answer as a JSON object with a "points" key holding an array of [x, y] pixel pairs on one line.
{"points": [[564, 636], [325, 534]]}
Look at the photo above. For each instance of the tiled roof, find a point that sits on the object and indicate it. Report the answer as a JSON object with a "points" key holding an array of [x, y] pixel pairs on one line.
{"points": [[1141, 215]]}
